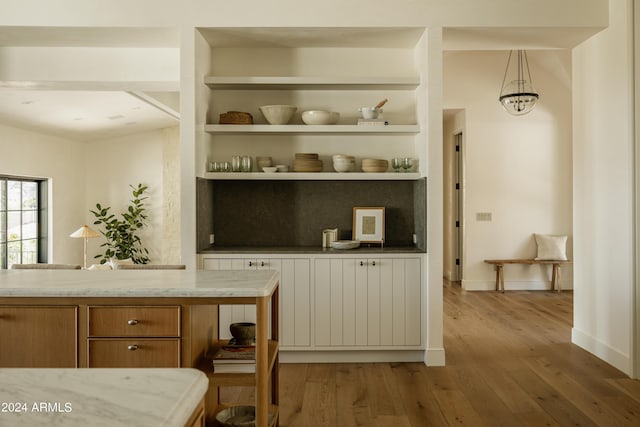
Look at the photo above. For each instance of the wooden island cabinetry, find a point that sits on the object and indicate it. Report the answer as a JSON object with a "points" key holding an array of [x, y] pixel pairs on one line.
{"points": [[38, 336], [133, 337], [135, 319]]}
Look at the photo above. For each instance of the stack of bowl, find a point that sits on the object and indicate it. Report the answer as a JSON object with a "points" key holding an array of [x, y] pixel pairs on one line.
{"points": [[342, 163], [307, 162], [374, 165]]}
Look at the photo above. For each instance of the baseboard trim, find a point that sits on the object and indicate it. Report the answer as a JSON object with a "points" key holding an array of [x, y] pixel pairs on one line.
{"points": [[484, 285], [434, 357], [603, 351], [352, 356]]}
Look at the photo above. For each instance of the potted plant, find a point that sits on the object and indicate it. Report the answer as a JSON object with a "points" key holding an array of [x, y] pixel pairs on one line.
{"points": [[123, 241]]}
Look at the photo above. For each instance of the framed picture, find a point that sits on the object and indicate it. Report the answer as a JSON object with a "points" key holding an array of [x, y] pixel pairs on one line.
{"points": [[368, 225]]}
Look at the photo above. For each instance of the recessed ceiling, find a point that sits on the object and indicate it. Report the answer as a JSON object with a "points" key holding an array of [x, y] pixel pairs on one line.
{"points": [[91, 111], [80, 115]]}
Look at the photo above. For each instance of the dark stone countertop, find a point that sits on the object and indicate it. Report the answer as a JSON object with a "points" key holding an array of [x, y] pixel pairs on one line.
{"points": [[313, 250]]}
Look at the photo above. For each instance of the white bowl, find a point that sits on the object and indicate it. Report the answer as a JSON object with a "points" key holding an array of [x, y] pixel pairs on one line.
{"points": [[278, 114], [344, 165], [270, 169], [320, 117], [282, 168], [345, 244]]}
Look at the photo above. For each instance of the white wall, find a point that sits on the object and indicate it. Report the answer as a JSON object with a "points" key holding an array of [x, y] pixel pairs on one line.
{"points": [[603, 190], [114, 164], [83, 174], [516, 168], [30, 154]]}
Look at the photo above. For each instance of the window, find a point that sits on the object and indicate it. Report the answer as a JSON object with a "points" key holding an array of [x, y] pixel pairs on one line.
{"points": [[20, 221]]}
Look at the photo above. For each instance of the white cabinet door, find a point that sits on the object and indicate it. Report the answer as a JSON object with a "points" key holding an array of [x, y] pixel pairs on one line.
{"points": [[295, 301], [229, 314], [373, 302], [295, 297]]}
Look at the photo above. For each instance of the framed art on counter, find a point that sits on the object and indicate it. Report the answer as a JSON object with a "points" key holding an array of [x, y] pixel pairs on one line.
{"points": [[368, 224]]}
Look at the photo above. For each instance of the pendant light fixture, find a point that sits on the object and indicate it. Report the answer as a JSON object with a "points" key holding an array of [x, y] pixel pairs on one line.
{"points": [[518, 96]]}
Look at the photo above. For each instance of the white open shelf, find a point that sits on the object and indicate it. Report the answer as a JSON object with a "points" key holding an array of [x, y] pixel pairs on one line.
{"points": [[302, 129], [314, 176], [320, 83]]}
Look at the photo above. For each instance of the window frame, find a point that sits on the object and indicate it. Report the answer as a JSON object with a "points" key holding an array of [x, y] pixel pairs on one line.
{"points": [[40, 211]]}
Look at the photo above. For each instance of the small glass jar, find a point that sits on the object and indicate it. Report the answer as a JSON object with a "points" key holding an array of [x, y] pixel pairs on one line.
{"points": [[236, 164], [247, 164]]}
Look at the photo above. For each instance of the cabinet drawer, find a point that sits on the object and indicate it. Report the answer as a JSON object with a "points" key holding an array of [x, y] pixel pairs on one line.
{"points": [[134, 353], [134, 321]]}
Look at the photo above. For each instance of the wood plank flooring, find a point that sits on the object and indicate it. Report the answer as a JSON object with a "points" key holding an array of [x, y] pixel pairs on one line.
{"points": [[509, 363]]}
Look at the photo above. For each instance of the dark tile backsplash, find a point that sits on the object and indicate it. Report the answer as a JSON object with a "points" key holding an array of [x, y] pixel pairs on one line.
{"points": [[294, 213]]}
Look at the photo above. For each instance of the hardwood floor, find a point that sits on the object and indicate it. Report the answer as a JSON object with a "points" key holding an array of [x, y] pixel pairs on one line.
{"points": [[509, 363]]}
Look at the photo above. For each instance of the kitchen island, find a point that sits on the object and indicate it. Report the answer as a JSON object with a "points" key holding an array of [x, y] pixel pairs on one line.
{"points": [[135, 319], [102, 397]]}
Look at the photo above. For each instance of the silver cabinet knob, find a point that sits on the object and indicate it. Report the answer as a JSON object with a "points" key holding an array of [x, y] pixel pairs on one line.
{"points": [[132, 322], [132, 347]]}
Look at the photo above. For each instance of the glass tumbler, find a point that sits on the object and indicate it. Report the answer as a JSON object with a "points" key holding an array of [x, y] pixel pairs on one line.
{"points": [[236, 164], [247, 164]]}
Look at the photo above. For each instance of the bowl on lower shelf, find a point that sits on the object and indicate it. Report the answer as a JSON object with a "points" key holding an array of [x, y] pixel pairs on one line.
{"points": [[243, 332], [239, 416]]}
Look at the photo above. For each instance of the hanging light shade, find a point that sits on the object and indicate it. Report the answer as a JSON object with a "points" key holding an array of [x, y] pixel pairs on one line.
{"points": [[518, 96]]}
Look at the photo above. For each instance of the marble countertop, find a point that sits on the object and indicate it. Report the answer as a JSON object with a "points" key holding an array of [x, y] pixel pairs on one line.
{"points": [[99, 397], [138, 283]]}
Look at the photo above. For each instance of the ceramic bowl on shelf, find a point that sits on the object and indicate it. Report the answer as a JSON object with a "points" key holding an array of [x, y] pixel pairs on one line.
{"points": [[278, 114], [282, 168], [345, 244], [270, 169], [343, 163], [370, 112], [320, 117], [243, 332], [239, 416]]}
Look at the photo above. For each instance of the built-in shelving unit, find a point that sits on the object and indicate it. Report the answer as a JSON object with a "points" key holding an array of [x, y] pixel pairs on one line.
{"points": [[243, 69], [310, 83], [314, 129], [314, 176]]}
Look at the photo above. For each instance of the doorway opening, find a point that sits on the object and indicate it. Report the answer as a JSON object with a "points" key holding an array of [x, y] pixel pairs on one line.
{"points": [[453, 193]]}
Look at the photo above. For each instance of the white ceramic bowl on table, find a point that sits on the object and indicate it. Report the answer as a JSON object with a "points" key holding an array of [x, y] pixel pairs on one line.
{"points": [[320, 117], [278, 114]]}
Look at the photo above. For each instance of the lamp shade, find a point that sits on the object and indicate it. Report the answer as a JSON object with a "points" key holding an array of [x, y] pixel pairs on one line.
{"points": [[85, 232]]}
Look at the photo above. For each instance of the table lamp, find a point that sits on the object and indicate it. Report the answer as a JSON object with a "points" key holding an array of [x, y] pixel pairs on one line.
{"points": [[85, 232]]}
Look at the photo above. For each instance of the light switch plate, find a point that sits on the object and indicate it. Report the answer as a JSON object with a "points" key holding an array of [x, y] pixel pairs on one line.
{"points": [[483, 216]]}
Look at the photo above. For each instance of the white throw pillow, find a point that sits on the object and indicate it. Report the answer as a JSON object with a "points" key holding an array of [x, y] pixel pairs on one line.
{"points": [[551, 247], [114, 262], [105, 266]]}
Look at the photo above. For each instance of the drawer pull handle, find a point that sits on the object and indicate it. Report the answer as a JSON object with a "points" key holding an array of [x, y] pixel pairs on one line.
{"points": [[262, 264], [373, 263], [132, 347], [132, 322], [361, 263], [250, 264]]}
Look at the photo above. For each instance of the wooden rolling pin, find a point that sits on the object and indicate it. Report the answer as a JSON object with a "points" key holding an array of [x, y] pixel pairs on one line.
{"points": [[381, 103]]}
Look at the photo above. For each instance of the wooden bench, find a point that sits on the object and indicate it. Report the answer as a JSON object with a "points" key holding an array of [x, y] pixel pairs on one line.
{"points": [[555, 272]]}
